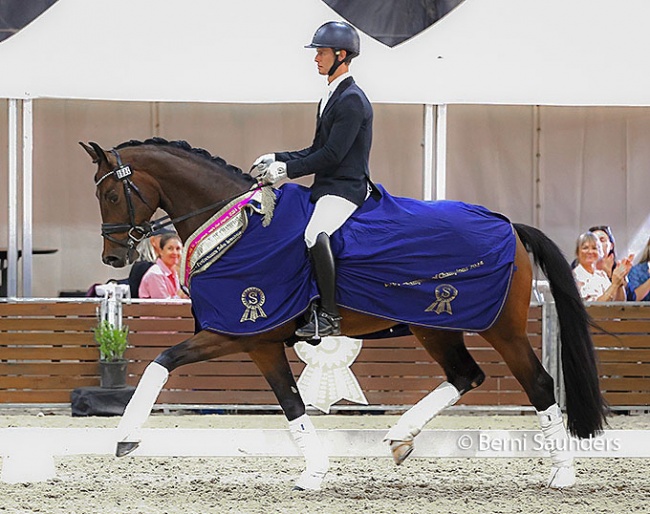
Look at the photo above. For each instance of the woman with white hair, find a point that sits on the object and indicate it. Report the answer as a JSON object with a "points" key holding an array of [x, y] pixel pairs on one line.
{"points": [[593, 284]]}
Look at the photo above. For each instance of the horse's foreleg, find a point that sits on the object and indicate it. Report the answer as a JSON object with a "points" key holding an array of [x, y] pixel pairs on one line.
{"points": [[463, 374], [203, 346], [272, 361], [139, 407]]}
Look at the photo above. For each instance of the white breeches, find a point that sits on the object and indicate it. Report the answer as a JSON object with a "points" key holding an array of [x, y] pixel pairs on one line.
{"points": [[329, 215]]}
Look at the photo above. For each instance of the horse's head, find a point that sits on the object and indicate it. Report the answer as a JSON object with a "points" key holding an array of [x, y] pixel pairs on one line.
{"points": [[126, 206]]}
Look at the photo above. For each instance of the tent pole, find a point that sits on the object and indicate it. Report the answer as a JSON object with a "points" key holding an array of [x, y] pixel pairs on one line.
{"points": [[12, 192], [537, 170], [427, 182], [27, 196], [441, 152]]}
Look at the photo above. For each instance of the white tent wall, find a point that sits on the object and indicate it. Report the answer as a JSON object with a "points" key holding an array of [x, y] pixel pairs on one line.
{"points": [[490, 162], [592, 164], [594, 167]]}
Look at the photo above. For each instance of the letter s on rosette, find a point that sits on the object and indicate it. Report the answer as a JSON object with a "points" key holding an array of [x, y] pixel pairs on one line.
{"points": [[445, 294], [253, 298]]}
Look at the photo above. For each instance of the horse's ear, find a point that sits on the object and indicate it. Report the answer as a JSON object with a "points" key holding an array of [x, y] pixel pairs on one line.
{"points": [[95, 151], [90, 151]]}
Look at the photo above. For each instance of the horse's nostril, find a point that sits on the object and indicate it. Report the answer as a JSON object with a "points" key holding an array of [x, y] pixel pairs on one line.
{"points": [[111, 260]]}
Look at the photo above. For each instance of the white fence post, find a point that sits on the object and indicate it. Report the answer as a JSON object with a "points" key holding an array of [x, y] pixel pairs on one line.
{"points": [[110, 309], [551, 356]]}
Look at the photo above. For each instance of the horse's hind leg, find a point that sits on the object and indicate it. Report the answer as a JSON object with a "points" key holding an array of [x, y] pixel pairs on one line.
{"points": [[272, 361], [538, 384], [463, 374], [509, 337]]}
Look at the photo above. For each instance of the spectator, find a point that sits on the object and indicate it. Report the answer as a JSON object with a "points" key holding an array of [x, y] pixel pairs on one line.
{"points": [[639, 277], [608, 262], [593, 284], [161, 279], [148, 252]]}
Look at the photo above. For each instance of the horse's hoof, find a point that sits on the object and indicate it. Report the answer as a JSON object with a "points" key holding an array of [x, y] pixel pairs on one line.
{"points": [[562, 477], [309, 481], [401, 450], [126, 447]]}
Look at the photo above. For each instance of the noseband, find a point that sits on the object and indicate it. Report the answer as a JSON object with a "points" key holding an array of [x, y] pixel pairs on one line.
{"points": [[137, 232]]}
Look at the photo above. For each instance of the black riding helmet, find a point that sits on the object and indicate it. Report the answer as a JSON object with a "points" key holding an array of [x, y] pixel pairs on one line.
{"points": [[337, 35]]}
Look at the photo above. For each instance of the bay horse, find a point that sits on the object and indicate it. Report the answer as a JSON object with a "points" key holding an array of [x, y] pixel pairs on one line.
{"points": [[136, 178]]}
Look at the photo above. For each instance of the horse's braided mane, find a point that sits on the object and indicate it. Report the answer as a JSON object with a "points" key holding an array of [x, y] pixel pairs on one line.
{"points": [[184, 145]]}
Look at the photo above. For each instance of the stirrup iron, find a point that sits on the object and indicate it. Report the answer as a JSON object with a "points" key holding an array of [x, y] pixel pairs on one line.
{"points": [[314, 329]]}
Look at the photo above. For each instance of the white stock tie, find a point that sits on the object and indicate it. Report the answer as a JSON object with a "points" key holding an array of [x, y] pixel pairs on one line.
{"points": [[323, 101]]}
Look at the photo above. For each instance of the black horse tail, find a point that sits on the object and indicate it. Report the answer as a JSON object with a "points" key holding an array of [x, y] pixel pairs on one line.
{"points": [[585, 405]]}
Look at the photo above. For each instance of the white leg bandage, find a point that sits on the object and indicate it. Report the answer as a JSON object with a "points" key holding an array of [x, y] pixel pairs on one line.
{"points": [[316, 459], [137, 411], [413, 420], [556, 441]]}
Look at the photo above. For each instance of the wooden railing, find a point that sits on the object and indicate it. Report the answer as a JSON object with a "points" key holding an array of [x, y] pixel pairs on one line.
{"points": [[47, 350], [624, 353], [394, 371]]}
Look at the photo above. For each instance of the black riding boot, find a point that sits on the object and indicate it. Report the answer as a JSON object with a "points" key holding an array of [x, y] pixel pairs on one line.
{"points": [[326, 320]]}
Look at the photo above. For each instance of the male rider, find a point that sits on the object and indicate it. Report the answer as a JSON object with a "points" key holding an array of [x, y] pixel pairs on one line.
{"points": [[338, 158]]}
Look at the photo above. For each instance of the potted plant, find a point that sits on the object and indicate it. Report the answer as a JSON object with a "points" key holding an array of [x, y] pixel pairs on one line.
{"points": [[112, 343]]}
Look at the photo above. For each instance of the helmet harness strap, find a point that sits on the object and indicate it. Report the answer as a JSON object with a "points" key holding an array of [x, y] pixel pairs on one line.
{"points": [[337, 63]]}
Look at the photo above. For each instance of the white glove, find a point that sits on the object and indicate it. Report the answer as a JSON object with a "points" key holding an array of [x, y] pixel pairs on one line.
{"points": [[275, 171], [263, 162]]}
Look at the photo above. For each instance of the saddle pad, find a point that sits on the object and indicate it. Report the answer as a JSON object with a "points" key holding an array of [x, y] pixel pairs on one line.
{"points": [[440, 264]]}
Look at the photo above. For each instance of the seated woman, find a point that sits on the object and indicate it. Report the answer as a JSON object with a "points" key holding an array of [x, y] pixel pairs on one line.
{"points": [[639, 276], [593, 284], [607, 262], [148, 253], [161, 279]]}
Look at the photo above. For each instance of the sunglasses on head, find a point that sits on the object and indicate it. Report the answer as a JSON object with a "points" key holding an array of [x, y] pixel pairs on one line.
{"points": [[603, 228], [608, 231]]}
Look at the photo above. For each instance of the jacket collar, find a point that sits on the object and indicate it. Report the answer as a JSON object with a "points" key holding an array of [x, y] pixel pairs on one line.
{"points": [[337, 92]]}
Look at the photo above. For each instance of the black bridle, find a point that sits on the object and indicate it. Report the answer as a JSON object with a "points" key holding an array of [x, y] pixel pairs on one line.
{"points": [[137, 232]]}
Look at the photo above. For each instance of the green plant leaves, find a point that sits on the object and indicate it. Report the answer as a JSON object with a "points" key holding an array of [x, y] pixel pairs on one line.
{"points": [[112, 341]]}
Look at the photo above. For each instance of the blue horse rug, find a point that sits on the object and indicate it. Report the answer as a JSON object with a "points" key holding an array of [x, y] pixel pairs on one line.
{"points": [[444, 264]]}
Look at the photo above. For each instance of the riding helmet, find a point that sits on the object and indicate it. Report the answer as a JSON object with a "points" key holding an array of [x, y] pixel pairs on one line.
{"points": [[337, 35]]}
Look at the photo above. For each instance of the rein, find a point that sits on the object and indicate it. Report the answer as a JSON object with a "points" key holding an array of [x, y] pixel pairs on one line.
{"points": [[137, 232]]}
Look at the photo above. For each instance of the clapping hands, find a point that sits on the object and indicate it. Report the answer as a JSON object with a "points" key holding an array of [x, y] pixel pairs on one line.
{"points": [[623, 267]]}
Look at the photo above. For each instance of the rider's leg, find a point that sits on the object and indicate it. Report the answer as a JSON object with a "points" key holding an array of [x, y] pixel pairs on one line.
{"points": [[327, 321], [330, 212]]}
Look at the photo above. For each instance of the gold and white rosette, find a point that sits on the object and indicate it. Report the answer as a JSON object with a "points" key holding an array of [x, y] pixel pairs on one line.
{"points": [[445, 294], [327, 378]]}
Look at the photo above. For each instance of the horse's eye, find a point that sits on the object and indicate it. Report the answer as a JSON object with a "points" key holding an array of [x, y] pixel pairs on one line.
{"points": [[112, 196]]}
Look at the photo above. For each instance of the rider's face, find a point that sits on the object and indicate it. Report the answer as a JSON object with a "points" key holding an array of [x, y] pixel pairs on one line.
{"points": [[324, 60]]}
